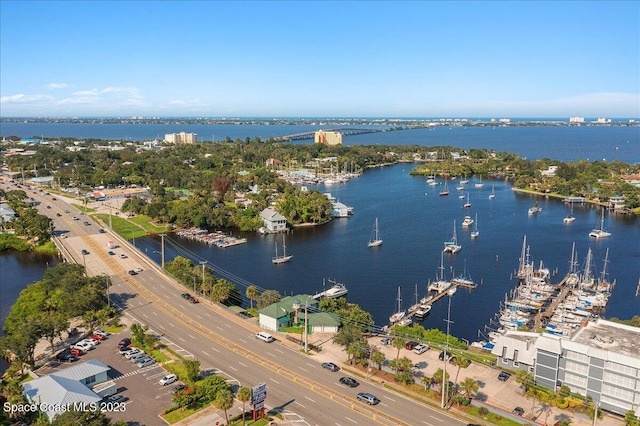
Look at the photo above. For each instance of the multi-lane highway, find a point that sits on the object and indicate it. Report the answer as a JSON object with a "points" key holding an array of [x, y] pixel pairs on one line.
{"points": [[220, 340]]}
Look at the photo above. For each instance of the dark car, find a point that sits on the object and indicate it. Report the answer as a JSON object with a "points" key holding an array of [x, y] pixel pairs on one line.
{"points": [[117, 398], [410, 345], [179, 388], [66, 356], [132, 272], [518, 411], [504, 376], [442, 355], [330, 366], [124, 342], [102, 231], [349, 381], [85, 251], [368, 398]]}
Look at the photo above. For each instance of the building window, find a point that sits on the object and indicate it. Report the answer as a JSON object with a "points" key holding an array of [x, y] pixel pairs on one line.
{"points": [[516, 364], [90, 379], [515, 356]]}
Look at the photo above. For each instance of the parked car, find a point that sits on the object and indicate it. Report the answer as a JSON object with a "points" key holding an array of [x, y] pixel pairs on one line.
{"points": [[138, 269], [504, 376], [386, 341], [518, 411], [330, 366], [102, 333], [368, 398], [179, 388], [442, 355], [76, 351], [410, 345], [96, 336], [91, 341], [349, 381], [138, 356], [84, 346], [125, 350], [66, 356], [124, 342], [168, 379], [132, 272], [146, 362], [117, 398], [133, 352], [421, 348]]}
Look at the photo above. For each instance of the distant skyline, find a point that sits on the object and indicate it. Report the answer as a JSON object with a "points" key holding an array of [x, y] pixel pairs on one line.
{"points": [[320, 59]]}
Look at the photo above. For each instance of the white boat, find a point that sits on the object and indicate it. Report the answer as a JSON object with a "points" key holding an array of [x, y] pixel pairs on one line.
{"points": [[440, 285], [467, 221], [467, 204], [479, 184], [452, 290], [336, 290], [600, 232], [493, 194], [475, 233], [281, 259], [535, 209], [459, 188], [445, 191], [465, 180], [400, 313], [375, 239], [452, 245], [423, 311], [570, 218]]}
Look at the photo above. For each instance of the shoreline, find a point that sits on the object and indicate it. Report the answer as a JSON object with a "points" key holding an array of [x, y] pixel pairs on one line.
{"points": [[586, 200]]}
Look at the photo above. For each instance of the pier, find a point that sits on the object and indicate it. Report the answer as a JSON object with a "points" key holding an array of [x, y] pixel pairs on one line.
{"points": [[551, 309]]}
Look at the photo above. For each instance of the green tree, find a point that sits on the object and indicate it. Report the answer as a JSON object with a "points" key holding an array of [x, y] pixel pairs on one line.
{"points": [[268, 297], [378, 357], [460, 362], [221, 290], [525, 379], [469, 386], [252, 294], [630, 419], [243, 395], [192, 367], [210, 386], [224, 401]]}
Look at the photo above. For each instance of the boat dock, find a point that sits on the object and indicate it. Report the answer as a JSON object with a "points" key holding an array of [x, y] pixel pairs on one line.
{"points": [[464, 284], [217, 238], [551, 309]]}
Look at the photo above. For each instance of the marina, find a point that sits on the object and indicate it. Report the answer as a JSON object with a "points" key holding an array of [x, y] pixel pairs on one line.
{"points": [[217, 238]]}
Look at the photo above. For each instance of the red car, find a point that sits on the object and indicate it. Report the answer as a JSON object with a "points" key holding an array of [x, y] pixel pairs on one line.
{"points": [[410, 345], [76, 352], [97, 337]]}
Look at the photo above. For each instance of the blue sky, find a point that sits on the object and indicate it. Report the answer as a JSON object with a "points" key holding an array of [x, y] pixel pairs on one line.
{"points": [[320, 59]]}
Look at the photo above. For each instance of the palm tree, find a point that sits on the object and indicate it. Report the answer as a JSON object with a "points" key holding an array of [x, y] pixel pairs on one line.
{"points": [[469, 386], [243, 395], [398, 343], [460, 362], [224, 401], [378, 358], [252, 294]]}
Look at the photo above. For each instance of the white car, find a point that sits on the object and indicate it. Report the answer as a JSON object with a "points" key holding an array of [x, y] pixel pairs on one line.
{"points": [[421, 348], [132, 352], [265, 337], [84, 346], [91, 342], [122, 256], [102, 333], [168, 379], [138, 269]]}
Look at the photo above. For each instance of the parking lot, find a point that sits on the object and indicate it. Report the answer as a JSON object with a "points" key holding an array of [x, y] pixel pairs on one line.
{"points": [[146, 397]]}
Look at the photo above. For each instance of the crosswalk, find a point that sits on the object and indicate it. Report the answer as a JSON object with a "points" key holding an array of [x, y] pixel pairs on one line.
{"points": [[134, 372]]}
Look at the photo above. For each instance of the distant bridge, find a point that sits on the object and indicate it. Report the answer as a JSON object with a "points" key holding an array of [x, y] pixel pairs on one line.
{"points": [[346, 131]]}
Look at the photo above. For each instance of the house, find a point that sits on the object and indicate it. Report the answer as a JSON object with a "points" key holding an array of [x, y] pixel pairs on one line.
{"points": [[617, 202], [273, 221], [73, 387], [7, 214], [290, 311]]}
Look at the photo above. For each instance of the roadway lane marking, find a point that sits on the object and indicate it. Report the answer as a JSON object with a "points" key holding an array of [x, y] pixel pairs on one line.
{"points": [[219, 328], [426, 423], [154, 313], [180, 338], [303, 369], [145, 315], [274, 381], [199, 316], [205, 353], [278, 350], [161, 327], [311, 365], [270, 354], [435, 418], [351, 420], [299, 404], [306, 397], [243, 341], [244, 365], [215, 349], [171, 324], [391, 399], [234, 369], [191, 336]]}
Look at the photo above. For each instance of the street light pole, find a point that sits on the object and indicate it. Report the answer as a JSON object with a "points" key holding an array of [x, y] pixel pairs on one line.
{"points": [[106, 277], [445, 382], [162, 249], [203, 263]]}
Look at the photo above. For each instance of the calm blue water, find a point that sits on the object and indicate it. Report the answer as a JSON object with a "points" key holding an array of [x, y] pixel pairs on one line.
{"points": [[558, 142], [414, 222]]}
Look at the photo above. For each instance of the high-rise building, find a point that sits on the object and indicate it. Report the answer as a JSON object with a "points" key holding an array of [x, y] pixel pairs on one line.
{"points": [[182, 137], [328, 137]]}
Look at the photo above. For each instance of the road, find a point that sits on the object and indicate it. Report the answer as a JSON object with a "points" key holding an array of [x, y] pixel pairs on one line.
{"points": [[220, 340]]}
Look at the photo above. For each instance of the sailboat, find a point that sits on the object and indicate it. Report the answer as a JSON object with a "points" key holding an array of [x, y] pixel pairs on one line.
{"points": [[475, 233], [400, 313], [465, 180], [570, 218], [375, 239], [452, 246], [493, 194], [440, 285], [535, 209], [479, 184], [600, 232], [445, 191], [281, 259], [467, 204]]}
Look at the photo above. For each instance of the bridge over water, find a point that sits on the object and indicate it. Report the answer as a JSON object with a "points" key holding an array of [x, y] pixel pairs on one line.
{"points": [[346, 131]]}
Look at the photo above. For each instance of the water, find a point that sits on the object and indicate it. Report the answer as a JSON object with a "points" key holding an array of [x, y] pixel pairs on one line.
{"points": [[17, 270], [414, 222], [557, 142]]}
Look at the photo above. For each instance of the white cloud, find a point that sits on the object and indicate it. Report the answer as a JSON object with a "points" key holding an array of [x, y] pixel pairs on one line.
{"points": [[92, 92], [54, 86], [22, 98]]}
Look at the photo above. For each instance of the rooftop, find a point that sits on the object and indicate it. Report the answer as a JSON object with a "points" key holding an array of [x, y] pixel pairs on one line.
{"points": [[607, 335]]}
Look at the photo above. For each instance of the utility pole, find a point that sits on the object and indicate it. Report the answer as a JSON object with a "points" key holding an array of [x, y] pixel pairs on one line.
{"points": [[203, 262], [108, 295], [162, 248], [445, 382], [306, 327]]}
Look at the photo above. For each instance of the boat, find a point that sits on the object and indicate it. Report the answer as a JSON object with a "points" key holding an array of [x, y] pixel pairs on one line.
{"points": [[440, 285], [493, 194], [422, 311], [467, 221], [459, 188], [535, 209], [479, 184], [464, 279], [416, 305], [600, 232], [465, 180], [375, 239], [452, 290], [445, 191], [452, 246], [467, 204], [281, 259], [475, 233], [570, 218], [335, 291], [400, 313]]}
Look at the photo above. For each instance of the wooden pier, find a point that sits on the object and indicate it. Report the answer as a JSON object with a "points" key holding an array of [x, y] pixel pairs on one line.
{"points": [[550, 310]]}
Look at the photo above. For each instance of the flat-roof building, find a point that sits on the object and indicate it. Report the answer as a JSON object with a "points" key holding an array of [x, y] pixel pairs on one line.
{"points": [[182, 137], [328, 137]]}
